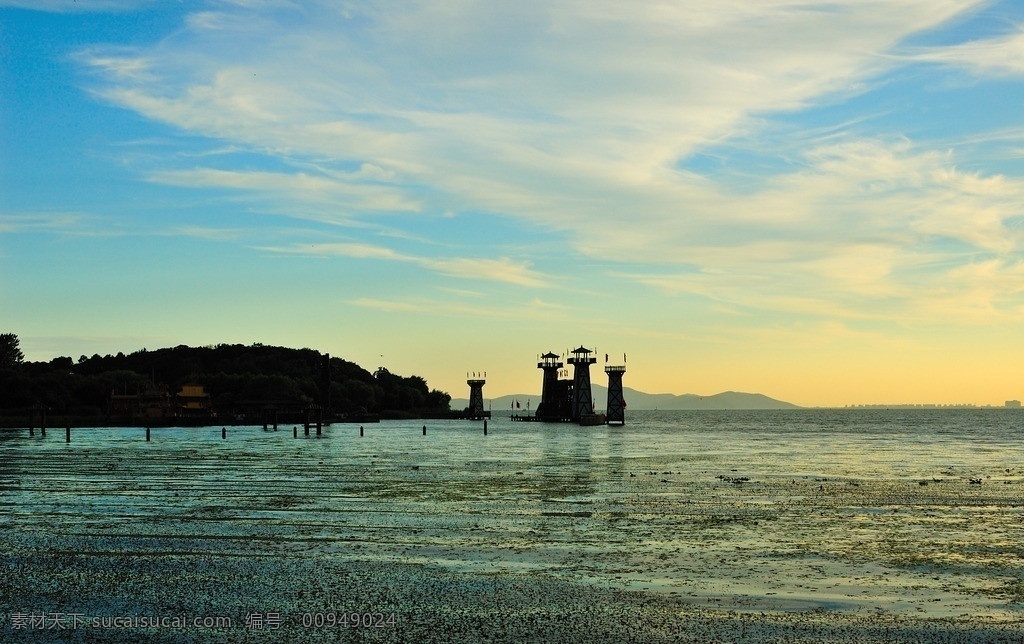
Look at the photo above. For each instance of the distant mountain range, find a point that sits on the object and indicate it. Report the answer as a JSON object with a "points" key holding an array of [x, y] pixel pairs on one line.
{"points": [[638, 400]]}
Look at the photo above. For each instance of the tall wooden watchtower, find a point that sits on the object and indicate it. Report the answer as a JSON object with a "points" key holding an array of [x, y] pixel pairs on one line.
{"points": [[616, 411], [582, 395], [476, 398], [550, 403]]}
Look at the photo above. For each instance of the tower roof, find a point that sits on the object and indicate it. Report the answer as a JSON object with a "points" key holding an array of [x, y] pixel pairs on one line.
{"points": [[582, 350], [550, 355]]}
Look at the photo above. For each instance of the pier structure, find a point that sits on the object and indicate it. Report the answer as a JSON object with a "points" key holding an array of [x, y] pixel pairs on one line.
{"points": [[476, 411], [582, 394], [41, 410], [551, 405], [615, 413], [324, 384]]}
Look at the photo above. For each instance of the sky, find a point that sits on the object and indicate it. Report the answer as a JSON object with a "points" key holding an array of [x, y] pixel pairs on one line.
{"points": [[822, 202]]}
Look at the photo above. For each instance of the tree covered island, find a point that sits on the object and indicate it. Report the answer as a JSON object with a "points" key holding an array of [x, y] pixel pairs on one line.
{"points": [[225, 383]]}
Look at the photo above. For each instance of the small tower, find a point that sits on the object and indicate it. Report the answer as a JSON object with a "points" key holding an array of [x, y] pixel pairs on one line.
{"points": [[616, 412], [549, 406], [476, 399], [582, 396]]}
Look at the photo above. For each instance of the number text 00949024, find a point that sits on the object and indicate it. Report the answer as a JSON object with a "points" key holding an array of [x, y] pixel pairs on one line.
{"points": [[349, 620]]}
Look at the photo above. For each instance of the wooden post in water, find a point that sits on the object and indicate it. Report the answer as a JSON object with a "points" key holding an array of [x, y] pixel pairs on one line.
{"points": [[67, 434], [295, 431], [275, 420], [360, 430], [319, 421], [305, 425], [147, 434], [485, 428], [223, 433], [424, 430]]}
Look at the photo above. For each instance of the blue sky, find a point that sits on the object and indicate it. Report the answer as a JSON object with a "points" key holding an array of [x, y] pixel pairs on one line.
{"points": [[821, 202]]}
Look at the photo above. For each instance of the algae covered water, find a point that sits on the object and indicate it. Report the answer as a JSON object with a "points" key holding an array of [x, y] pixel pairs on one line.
{"points": [[744, 525]]}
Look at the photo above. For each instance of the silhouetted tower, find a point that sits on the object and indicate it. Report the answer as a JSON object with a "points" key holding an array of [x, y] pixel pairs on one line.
{"points": [[476, 397], [616, 412], [582, 396], [549, 406]]}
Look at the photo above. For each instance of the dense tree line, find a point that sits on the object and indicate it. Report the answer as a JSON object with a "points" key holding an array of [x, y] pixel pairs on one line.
{"points": [[233, 375]]}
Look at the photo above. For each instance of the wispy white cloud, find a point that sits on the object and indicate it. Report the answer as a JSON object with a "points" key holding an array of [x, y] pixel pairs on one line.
{"points": [[208, 233], [532, 310], [389, 306], [346, 195], [998, 56], [875, 229], [61, 222], [559, 89], [461, 292], [495, 270], [77, 6], [358, 251], [124, 65], [982, 292], [576, 117]]}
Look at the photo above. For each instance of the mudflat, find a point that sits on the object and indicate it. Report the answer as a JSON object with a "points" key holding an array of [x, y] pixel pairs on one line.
{"points": [[666, 530]]}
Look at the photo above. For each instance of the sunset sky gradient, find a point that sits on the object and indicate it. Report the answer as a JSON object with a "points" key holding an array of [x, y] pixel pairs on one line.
{"points": [[822, 202]]}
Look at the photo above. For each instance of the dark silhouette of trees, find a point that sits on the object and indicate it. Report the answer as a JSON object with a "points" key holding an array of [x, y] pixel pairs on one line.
{"points": [[234, 375], [10, 351]]}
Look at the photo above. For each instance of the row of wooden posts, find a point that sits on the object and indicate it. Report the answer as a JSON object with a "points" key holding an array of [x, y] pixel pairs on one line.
{"points": [[67, 432], [223, 430]]}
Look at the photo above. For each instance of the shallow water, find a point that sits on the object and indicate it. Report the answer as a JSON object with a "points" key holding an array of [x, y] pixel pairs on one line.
{"points": [[855, 512]]}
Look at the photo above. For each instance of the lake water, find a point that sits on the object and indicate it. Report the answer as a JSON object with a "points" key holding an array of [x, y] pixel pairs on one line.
{"points": [[745, 519]]}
